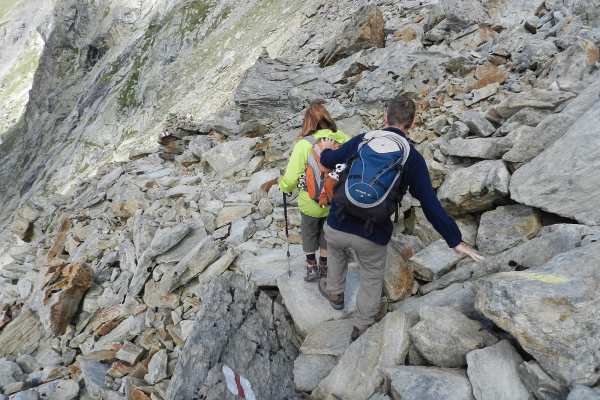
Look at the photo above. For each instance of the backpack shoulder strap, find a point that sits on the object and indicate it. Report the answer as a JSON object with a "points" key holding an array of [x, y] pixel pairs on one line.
{"points": [[310, 139]]}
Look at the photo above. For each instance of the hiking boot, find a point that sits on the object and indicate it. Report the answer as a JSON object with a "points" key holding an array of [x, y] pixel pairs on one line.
{"points": [[323, 269], [312, 271], [336, 300], [355, 334]]}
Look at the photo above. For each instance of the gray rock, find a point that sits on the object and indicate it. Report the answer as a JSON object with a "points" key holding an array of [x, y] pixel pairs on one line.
{"points": [[418, 225], [488, 149], [477, 123], [130, 353], [163, 241], [364, 30], [28, 363], [241, 230], [262, 177], [476, 95], [357, 375], [228, 214], [239, 330], [232, 156], [297, 294], [507, 226], [566, 190], [144, 230], [309, 370], [459, 130], [272, 90], [433, 261], [328, 338], [49, 358], [459, 296], [401, 71], [67, 389], [564, 345], [342, 69], [493, 372], [157, 368], [125, 331], [542, 385], [444, 336], [428, 383], [475, 188], [531, 254], [265, 268], [194, 263], [580, 392], [461, 15], [9, 371], [576, 62], [199, 145], [216, 268], [536, 98], [93, 375], [110, 179], [181, 249], [526, 116]]}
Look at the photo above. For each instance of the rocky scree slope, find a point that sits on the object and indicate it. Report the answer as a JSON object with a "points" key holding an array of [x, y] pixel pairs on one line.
{"points": [[174, 260]]}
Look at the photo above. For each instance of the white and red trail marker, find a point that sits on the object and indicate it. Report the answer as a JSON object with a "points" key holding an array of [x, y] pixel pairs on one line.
{"points": [[238, 385]]}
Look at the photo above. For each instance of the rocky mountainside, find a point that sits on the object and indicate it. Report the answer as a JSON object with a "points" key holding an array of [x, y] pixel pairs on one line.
{"points": [[164, 275]]}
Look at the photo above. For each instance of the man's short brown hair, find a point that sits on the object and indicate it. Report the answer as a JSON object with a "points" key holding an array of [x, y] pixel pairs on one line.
{"points": [[401, 112]]}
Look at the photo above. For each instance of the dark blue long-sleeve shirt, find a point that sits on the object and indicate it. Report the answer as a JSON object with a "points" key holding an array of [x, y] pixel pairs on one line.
{"points": [[419, 186]]}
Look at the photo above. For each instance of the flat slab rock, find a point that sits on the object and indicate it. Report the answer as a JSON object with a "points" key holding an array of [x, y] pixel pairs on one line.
{"points": [[558, 312], [432, 262], [507, 226], [265, 268], [444, 336], [428, 383], [493, 372], [308, 307], [573, 189]]}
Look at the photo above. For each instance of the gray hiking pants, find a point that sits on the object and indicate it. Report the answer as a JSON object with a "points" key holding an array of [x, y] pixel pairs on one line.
{"points": [[371, 259]]}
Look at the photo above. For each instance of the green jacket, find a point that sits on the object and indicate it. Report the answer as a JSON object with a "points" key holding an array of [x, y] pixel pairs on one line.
{"points": [[297, 166]]}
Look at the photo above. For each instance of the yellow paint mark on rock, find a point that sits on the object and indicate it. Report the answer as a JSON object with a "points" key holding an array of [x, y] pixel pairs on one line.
{"points": [[546, 278]]}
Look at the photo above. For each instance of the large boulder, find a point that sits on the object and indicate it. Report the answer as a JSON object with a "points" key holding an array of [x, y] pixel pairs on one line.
{"points": [[493, 372], [551, 128], [550, 242], [358, 373], [553, 311], [444, 336], [364, 30], [428, 383], [507, 226], [570, 188], [237, 331], [462, 14], [475, 188]]}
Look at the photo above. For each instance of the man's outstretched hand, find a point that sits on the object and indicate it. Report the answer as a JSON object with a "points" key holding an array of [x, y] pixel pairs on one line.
{"points": [[462, 249]]}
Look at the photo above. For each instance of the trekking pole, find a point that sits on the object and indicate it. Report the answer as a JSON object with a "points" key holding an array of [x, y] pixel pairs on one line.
{"points": [[287, 234]]}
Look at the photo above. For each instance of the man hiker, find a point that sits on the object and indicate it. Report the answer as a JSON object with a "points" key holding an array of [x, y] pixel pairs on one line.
{"points": [[371, 247]]}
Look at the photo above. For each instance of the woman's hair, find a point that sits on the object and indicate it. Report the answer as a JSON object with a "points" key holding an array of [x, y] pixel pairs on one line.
{"points": [[316, 118]]}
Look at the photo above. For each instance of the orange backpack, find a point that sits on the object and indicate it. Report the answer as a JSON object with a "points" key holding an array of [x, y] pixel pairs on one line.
{"points": [[318, 183]]}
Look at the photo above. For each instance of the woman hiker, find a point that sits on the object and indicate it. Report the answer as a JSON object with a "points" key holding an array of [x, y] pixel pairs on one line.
{"points": [[317, 124]]}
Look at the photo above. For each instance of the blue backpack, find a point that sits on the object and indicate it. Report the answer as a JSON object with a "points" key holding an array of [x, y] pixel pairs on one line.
{"points": [[372, 185]]}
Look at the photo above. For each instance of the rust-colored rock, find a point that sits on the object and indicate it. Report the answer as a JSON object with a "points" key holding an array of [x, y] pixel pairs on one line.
{"points": [[110, 319], [137, 394], [60, 239], [121, 368], [62, 290]]}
